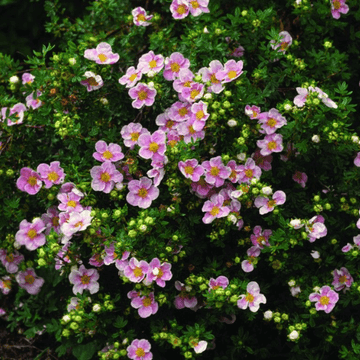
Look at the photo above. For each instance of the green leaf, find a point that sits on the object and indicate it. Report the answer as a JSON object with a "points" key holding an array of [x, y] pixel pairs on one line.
{"points": [[84, 352]]}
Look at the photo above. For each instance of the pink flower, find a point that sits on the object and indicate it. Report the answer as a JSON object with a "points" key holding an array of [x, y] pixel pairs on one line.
{"points": [[295, 290], [197, 7], [342, 278], [260, 238], [252, 112], [300, 178], [76, 222], [139, 350], [5, 284], [337, 7], [96, 260], [220, 281], [146, 305], [193, 93], [174, 64], [179, 9], [253, 298], [184, 299], [142, 95], [252, 253], [69, 202], [152, 146], [136, 270], [29, 281], [51, 174], [214, 209], [264, 162], [157, 173], [235, 171], [316, 228], [30, 234], [102, 54], [190, 169], [159, 272], [150, 62], [33, 103], [92, 82], [180, 111], [74, 304], [249, 171], [323, 96], [11, 261], [104, 152], [141, 192], [84, 279], [122, 262], [271, 121], [18, 109], [232, 70], [201, 187], [210, 74], [325, 300], [131, 133], [271, 143], [27, 78], [29, 181], [131, 77], [165, 123], [285, 42], [105, 177], [300, 99], [185, 80], [140, 18], [191, 130], [215, 171], [357, 160], [238, 52], [266, 205]]}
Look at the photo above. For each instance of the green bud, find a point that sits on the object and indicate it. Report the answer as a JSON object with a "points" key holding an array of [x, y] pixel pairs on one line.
{"points": [[353, 200], [74, 326], [285, 317], [234, 299], [149, 221], [355, 253], [316, 101], [203, 287], [132, 233], [226, 104], [327, 206], [277, 319], [317, 198], [298, 326], [123, 352], [66, 332], [78, 318], [333, 241], [42, 262], [104, 215], [217, 32], [117, 213], [227, 93], [237, 260], [291, 328], [9, 172], [312, 311]]}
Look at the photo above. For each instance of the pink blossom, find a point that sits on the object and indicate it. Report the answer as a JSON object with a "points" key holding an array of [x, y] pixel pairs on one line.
{"points": [[84, 279], [337, 7], [141, 192], [165, 123], [51, 174], [152, 146], [193, 93], [29, 281], [146, 305], [29, 181], [253, 112], [235, 171], [136, 270], [159, 272], [191, 130], [105, 177], [104, 152], [150, 62], [179, 9], [271, 143], [323, 96], [191, 169], [5, 284], [199, 112], [77, 222], [238, 52], [200, 346], [260, 238], [174, 64], [197, 7], [316, 228], [96, 260], [184, 299], [232, 70], [139, 350], [142, 95], [252, 253], [285, 42], [220, 281], [157, 172], [102, 54], [264, 162], [62, 257], [74, 304], [27, 78], [253, 298], [131, 77], [300, 99], [214, 209], [249, 171], [11, 261], [18, 109], [215, 171], [33, 103], [185, 80], [266, 205], [30, 234], [69, 202], [122, 262], [300, 177], [201, 187], [271, 121], [342, 279], [357, 160], [325, 299], [210, 74], [131, 133], [295, 290], [140, 18], [180, 111], [92, 82]]}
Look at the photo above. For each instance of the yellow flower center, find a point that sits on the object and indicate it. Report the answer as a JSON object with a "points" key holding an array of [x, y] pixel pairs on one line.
{"points": [[194, 93], [249, 297], [336, 5], [138, 272], [181, 9], [153, 147], [175, 67], [91, 81], [187, 83], [7, 284], [142, 95], [214, 171], [32, 180], [79, 224], [160, 274], [200, 114], [231, 74], [271, 122], [191, 130], [53, 176], [324, 300], [102, 57], [232, 175], [31, 233], [189, 170], [272, 145], [9, 258], [183, 111], [134, 136], [213, 79], [255, 114], [152, 64], [140, 352], [170, 124], [284, 45], [85, 279], [29, 279], [194, 4], [261, 240], [105, 177], [271, 203], [146, 302], [107, 154], [55, 221], [132, 77], [141, 17], [172, 143], [143, 193], [343, 279], [71, 203], [214, 211], [249, 173]]}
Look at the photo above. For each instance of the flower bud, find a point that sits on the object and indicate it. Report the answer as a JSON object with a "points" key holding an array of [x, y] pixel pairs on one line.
{"points": [[315, 139], [14, 79], [72, 61]]}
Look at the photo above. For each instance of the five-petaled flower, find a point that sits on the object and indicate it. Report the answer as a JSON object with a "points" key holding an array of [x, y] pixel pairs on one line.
{"points": [[29, 281], [142, 192], [139, 350], [142, 95], [84, 279], [102, 54], [252, 298], [326, 299]]}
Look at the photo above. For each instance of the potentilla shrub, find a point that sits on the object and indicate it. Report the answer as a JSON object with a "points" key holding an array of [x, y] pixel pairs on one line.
{"points": [[181, 180]]}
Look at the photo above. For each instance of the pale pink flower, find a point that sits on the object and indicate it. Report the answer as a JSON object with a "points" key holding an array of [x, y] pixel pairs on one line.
{"points": [[235, 171], [18, 109], [180, 111], [295, 290], [69, 202], [185, 80], [337, 7], [300, 99], [214, 209], [157, 172], [139, 350], [33, 103], [77, 222], [210, 73], [5, 284], [285, 42], [271, 121], [200, 346], [159, 272], [179, 9], [249, 171], [252, 253], [31, 234], [191, 169], [165, 123], [197, 7], [102, 54], [140, 18], [150, 62], [342, 279], [29, 181], [260, 238], [142, 95], [105, 177], [199, 112], [264, 162], [325, 299], [323, 96], [238, 52], [271, 143], [146, 305], [152, 146], [191, 130], [51, 174], [131, 77], [215, 171], [27, 78], [232, 70], [136, 270], [266, 205], [92, 82], [131, 133], [11, 261], [96, 260], [316, 228], [184, 299], [84, 279], [104, 152], [300, 177], [253, 298], [122, 262], [220, 282], [73, 305], [29, 281], [357, 160], [201, 187], [253, 112], [142, 192], [174, 64]]}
